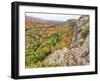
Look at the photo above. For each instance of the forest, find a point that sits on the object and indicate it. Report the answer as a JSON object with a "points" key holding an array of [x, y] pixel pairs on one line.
{"points": [[46, 41]]}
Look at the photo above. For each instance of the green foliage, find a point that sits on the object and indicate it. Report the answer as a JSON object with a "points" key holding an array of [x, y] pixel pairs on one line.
{"points": [[85, 32], [27, 60], [40, 64]]}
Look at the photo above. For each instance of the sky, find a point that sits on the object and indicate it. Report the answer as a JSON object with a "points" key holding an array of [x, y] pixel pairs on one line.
{"points": [[57, 17]]}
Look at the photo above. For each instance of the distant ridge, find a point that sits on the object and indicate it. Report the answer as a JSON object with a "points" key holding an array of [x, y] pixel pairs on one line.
{"points": [[42, 21]]}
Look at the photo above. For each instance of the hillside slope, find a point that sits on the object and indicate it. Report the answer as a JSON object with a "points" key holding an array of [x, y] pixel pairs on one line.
{"points": [[78, 53], [65, 44]]}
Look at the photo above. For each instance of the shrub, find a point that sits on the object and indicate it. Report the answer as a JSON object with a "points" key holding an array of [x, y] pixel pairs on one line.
{"points": [[40, 64], [85, 32]]}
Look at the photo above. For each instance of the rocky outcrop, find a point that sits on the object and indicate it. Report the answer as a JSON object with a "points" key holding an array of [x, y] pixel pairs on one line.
{"points": [[81, 27]]}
